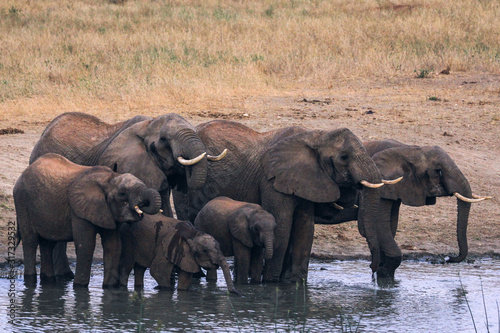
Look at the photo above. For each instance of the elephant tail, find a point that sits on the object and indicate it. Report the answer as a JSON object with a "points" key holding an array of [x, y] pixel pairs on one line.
{"points": [[18, 238]]}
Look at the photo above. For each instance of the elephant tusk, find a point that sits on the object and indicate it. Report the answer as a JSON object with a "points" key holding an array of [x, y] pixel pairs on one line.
{"points": [[479, 197], [195, 160], [370, 185], [461, 197], [160, 211], [218, 157], [339, 207], [355, 206], [138, 210], [392, 182]]}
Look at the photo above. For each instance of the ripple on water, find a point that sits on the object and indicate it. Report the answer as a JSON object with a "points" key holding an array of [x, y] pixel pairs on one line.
{"points": [[339, 296]]}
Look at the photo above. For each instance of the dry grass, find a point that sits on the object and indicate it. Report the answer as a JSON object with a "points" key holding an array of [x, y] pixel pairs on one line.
{"points": [[118, 56]]}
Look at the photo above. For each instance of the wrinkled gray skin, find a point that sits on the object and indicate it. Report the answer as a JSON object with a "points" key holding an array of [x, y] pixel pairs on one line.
{"points": [[162, 243], [243, 230], [428, 173], [145, 147], [59, 201], [286, 171]]}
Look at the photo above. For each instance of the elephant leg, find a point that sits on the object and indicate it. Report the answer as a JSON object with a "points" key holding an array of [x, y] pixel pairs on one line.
{"points": [[127, 259], [282, 210], [139, 276], [30, 244], [390, 253], [46, 261], [256, 264], [61, 262], [161, 270], [84, 235], [301, 239], [184, 280], [111, 245], [242, 256], [211, 274], [395, 216]]}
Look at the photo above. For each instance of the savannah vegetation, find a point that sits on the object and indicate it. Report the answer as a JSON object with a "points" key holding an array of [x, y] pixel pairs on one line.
{"points": [[124, 56]]}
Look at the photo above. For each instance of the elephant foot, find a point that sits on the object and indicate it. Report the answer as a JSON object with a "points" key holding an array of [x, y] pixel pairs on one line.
{"points": [[388, 268], [66, 276], [110, 286], [77, 285], [44, 279], [30, 280], [385, 273]]}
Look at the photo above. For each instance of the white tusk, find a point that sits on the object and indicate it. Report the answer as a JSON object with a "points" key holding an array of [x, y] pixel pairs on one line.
{"points": [[160, 211], [479, 197], [218, 157], [370, 185], [461, 197], [192, 161], [339, 207], [355, 206], [392, 182], [138, 210]]}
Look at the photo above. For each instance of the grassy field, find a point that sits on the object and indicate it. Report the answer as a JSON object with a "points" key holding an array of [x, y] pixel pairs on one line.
{"points": [[58, 55]]}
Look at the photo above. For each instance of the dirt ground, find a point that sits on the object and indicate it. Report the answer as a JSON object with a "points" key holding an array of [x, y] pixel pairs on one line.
{"points": [[459, 112]]}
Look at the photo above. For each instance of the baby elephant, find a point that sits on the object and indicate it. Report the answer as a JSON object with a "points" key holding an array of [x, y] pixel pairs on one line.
{"points": [[162, 243], [243, 230], [59, 201]]}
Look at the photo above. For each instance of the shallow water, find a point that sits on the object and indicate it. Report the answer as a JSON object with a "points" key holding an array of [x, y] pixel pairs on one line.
{"points": [[339, 296]]}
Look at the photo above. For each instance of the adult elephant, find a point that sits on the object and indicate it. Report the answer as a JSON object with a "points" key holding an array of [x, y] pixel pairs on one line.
{"points": [[163, 152], [59, 201], [286, 171], [428, 172]]}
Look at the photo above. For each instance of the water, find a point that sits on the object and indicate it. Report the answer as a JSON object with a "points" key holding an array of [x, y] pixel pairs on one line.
{"points": [[339, 296]]}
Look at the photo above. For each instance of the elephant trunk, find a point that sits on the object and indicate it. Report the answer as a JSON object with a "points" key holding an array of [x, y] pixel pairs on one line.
{"points": [[227, 276], [456, 182], [149, 201], [192, 147], [366, 228], [268, 245]]}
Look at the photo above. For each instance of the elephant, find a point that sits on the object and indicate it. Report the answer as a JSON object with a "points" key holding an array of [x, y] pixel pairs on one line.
{"points": [[286, 171], [163, 152], [163, 243], [428, 172], [57, 200], [243, 230]]}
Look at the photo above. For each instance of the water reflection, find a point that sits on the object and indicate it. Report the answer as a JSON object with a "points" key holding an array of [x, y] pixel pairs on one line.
{"points": [[338, 297]]}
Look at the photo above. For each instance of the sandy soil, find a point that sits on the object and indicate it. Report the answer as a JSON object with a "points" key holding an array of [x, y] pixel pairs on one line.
{"points": [[459, 112]]}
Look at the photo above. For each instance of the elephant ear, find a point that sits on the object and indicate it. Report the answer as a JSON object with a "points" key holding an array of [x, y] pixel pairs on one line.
{"points": [[397, 162], [87, 198], [294, 165], [177, 249], [127, 153], [238, 227]]}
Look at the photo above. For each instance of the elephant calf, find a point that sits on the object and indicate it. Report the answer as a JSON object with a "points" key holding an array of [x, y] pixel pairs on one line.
{"points": [[243, 230], [162, 243], [59, 201]]}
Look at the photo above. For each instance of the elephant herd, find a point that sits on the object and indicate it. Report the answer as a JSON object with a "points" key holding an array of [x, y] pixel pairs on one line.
{"points": [[236, 192]]}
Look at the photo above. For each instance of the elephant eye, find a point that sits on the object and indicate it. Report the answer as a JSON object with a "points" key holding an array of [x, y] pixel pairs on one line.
{"points": [[344, 157], [163, 139], [439, 172], [122, 194]]}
